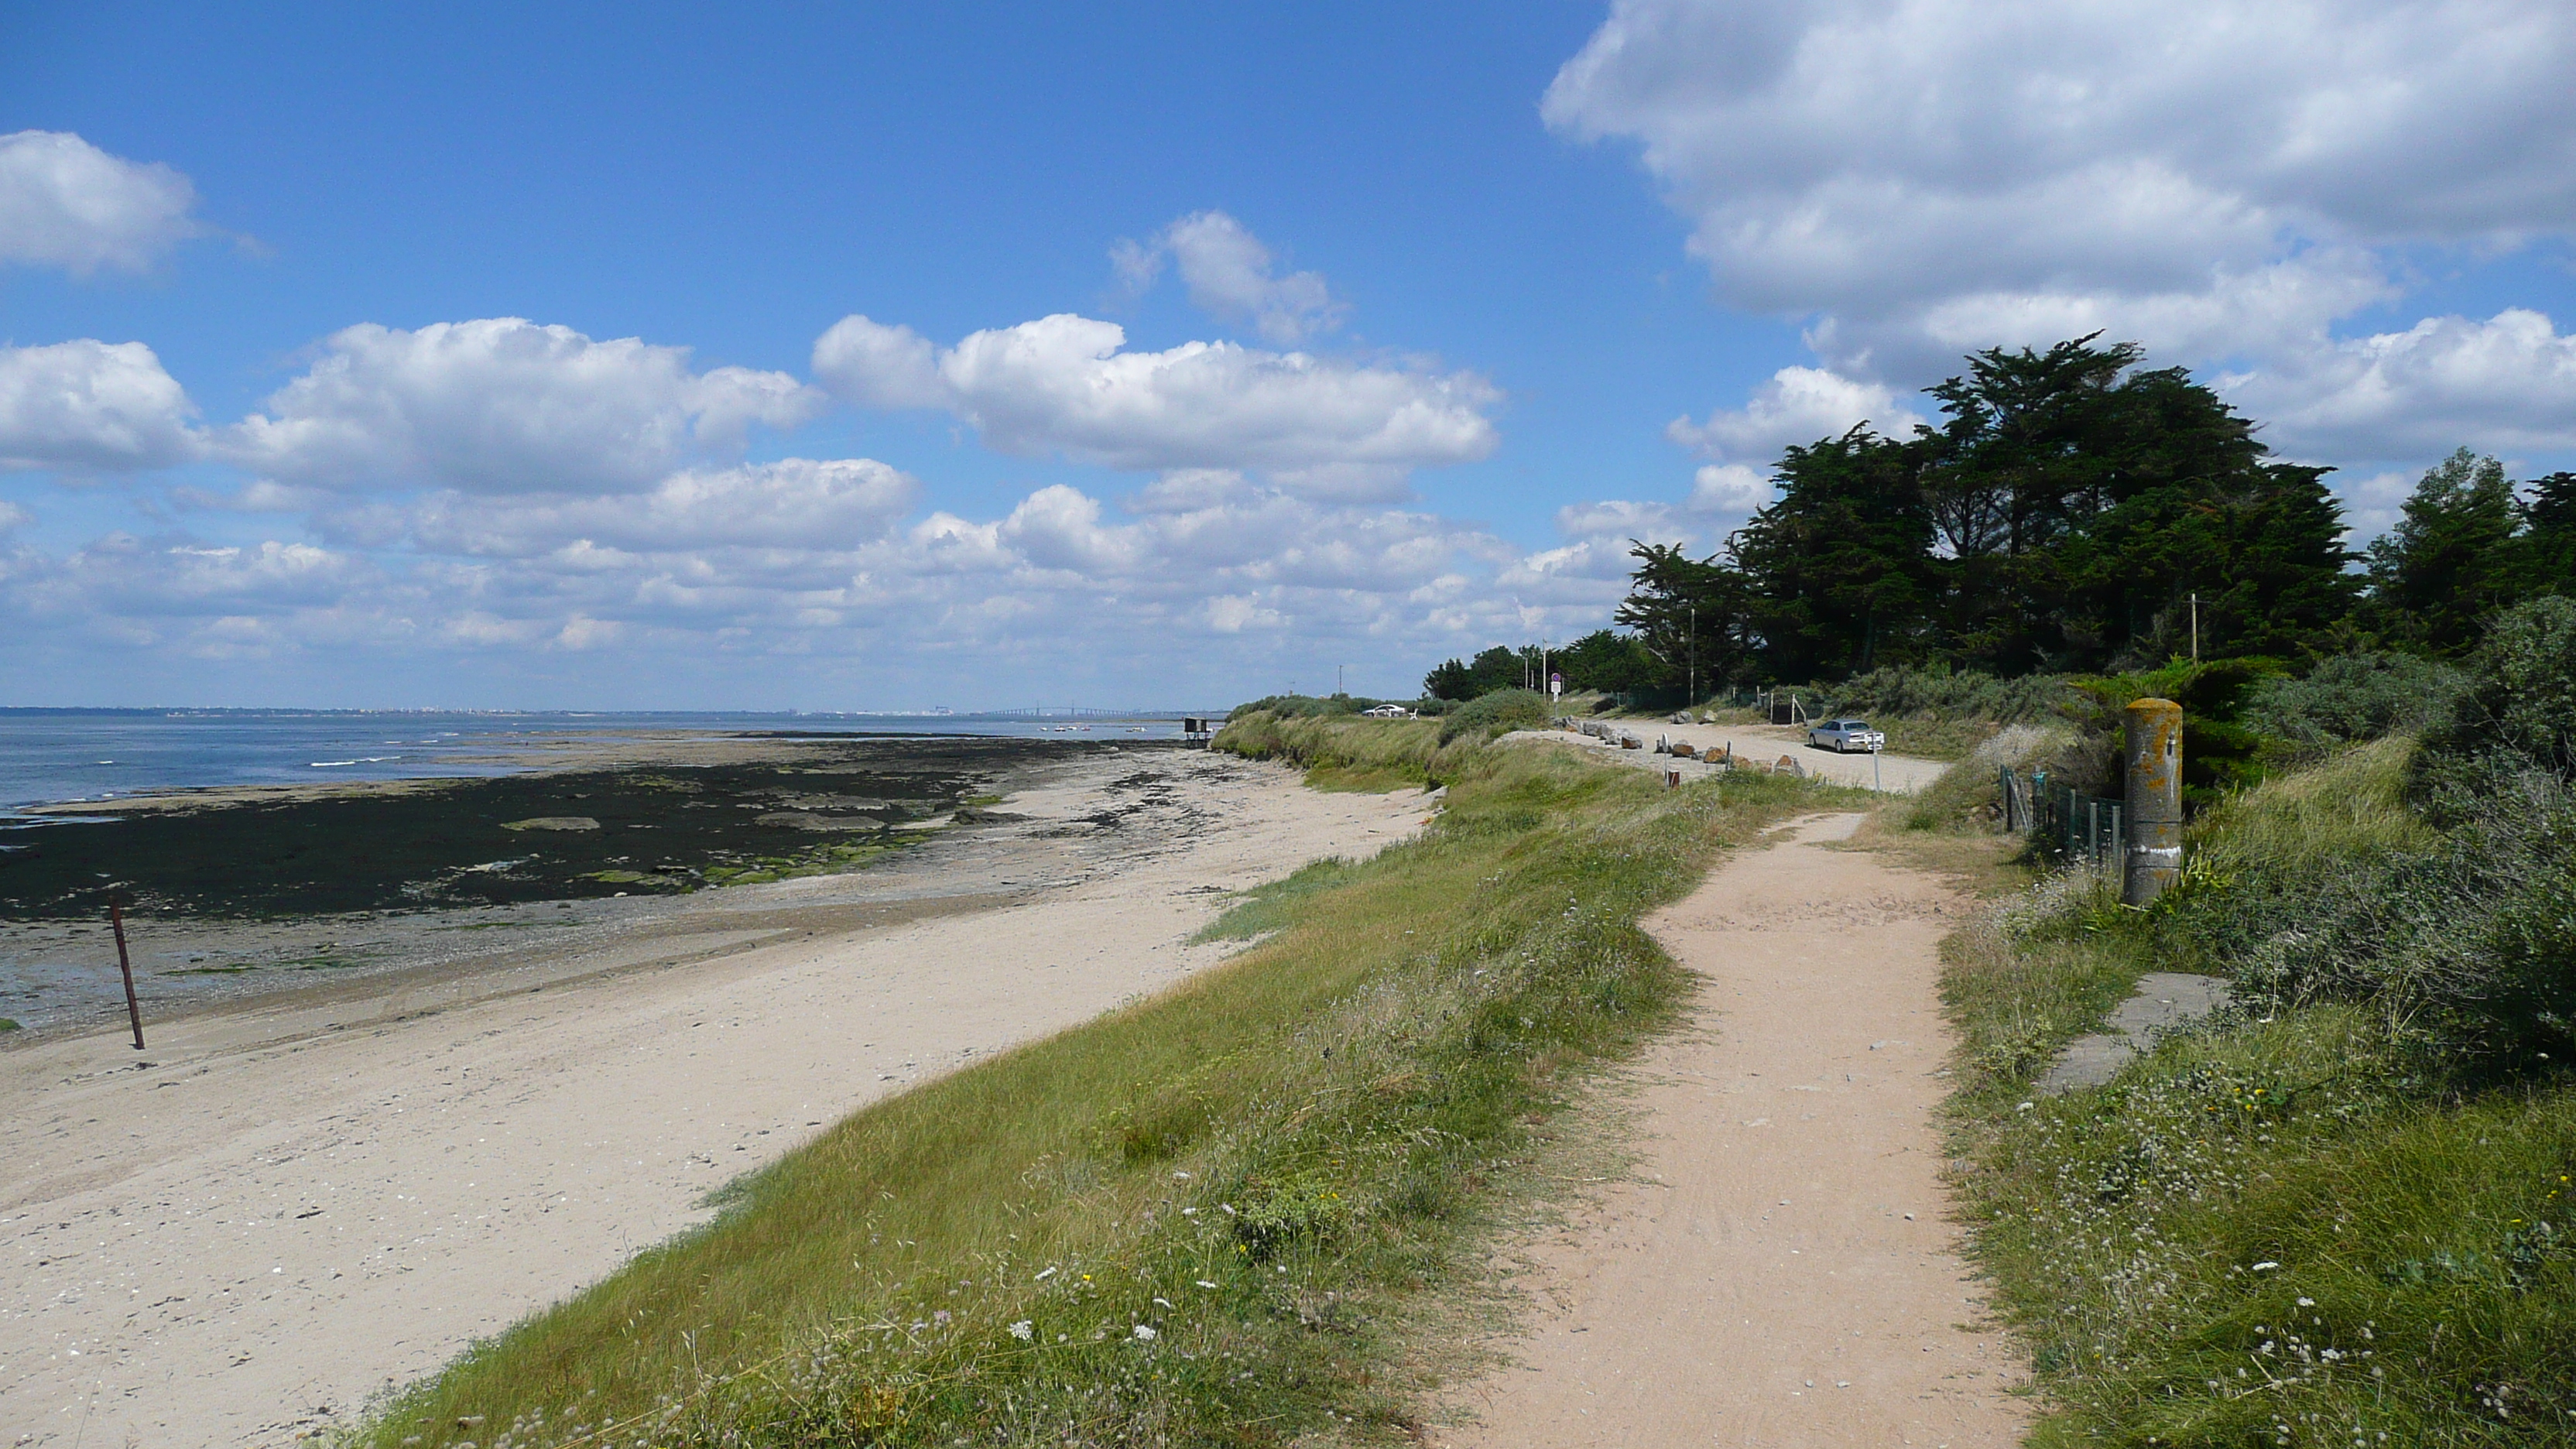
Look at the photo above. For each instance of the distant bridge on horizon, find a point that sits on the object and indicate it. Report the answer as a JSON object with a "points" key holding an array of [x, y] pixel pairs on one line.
{"points": [[1084, 711]]}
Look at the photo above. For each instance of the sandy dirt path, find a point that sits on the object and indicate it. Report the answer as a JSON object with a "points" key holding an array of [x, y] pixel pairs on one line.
{"points": [[1759, 745], [1781, 1272], [296, 1204]]}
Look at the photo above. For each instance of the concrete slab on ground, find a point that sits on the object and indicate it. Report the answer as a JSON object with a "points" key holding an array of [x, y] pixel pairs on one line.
{"points": [[2165, 999]]}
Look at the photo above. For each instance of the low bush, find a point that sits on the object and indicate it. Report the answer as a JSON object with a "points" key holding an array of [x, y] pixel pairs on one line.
{"points": [[1500, 712], [1941, 694], [2354, 697], [2517, 714], [1330, 706]]}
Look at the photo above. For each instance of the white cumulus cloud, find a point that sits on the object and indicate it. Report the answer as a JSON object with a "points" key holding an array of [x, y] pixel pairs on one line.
{"points": [[1232, 277], [2509, 381], [1066, 385], [1797, 406], [2222, 180], [66, 203], [796, 503], [503, 405], [90, 406]]}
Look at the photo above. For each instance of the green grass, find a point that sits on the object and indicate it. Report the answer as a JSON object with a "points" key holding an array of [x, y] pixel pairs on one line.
{"points": [[2317, 1226], [1227, 1214], [1361, 779], [2352, 805], [1931, 738], [820, 860], [1267, 908]]}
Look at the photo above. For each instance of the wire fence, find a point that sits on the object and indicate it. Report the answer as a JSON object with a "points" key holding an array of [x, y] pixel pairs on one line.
{"points": [[2078, 827]]}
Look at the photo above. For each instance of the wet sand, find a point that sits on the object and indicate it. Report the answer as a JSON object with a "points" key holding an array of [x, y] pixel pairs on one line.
{"points": [[242, 893], [295, 1200]]}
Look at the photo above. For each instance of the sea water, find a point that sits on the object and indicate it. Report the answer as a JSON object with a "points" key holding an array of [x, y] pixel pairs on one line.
{"points": [[55, 756]]}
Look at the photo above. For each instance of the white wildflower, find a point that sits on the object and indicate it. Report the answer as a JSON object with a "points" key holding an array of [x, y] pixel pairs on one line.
{"points": [[1145, 1333], [1024, 1330]]}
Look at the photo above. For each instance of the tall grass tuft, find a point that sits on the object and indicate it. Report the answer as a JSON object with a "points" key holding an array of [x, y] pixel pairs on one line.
{"points": [[1222, 1215]]}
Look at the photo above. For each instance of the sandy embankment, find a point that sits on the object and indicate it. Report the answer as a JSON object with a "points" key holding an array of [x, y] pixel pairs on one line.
{"points": [[288, 1205], [1781, 1270]]}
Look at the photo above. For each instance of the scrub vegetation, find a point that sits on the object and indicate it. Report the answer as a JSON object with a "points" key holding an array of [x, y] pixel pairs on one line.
{"points": [[1232, 1213], [2342, 1212]]}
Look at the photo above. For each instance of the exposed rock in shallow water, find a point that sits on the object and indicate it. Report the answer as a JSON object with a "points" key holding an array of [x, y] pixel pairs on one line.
{"points": [[540, 836], [808, 820]]}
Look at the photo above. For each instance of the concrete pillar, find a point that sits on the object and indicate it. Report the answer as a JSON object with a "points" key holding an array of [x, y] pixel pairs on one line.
{"points": [[2155, 799]]}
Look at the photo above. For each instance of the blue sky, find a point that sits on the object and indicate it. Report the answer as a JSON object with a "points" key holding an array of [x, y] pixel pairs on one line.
{"points": [[1488, 290]]}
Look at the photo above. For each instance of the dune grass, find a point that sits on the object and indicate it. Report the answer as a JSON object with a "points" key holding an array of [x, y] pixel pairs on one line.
{"points": [[2315, 1225], [1223, 1215], [2350, 806]]}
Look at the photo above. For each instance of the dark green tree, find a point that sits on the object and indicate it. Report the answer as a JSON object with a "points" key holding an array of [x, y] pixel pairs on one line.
{"points": [[2545, 554], [1693, 617], [1608, 661], [1843, 578], [1500, 667], [2450, 562], [2082, 500]]}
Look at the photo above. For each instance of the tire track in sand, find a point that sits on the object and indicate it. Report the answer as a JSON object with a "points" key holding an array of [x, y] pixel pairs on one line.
{"points": [[1780, 1271]]}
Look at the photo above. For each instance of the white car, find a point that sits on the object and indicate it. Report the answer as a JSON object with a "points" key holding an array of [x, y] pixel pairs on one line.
{"points": [[1846, 735]]}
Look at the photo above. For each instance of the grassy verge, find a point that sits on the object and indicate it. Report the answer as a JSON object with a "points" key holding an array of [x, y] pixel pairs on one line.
{"points": [[1222, 1215], [2317, 1221]]}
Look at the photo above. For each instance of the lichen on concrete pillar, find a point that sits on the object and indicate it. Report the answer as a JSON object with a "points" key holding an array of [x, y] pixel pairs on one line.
{"points": [[2155, 799]]}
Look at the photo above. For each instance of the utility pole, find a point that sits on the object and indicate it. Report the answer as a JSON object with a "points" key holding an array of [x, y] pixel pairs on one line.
{"points": [[2195, 626], [1694, 656]]}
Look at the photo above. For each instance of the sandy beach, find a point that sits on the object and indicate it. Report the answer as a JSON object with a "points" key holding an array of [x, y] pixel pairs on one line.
{"points": [[295, 1200]]}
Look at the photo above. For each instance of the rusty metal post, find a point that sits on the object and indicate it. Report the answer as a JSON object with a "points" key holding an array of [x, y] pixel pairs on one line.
{"points": [[2155, 799], [133, 1009]]}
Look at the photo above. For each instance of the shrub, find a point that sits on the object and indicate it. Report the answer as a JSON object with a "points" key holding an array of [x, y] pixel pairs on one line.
{"points": [[2355, 697], [2032, 698], [2219, 752], [2519, 711], [2324, 887], [1497, 713], [1307, 706]]}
